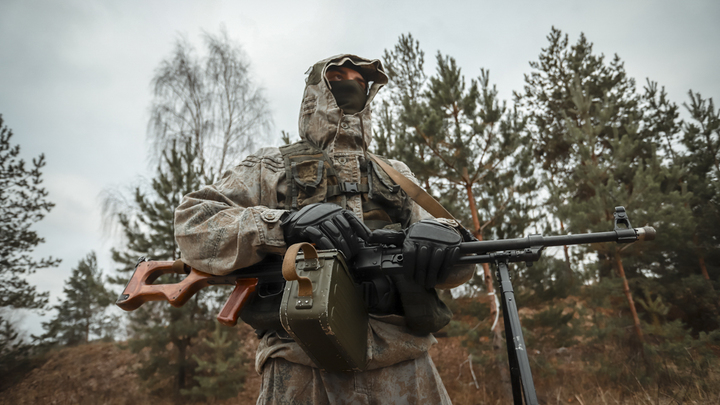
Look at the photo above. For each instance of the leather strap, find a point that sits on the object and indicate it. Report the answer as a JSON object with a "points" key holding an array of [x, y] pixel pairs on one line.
{"points": [[288, 268], [420, 196]]}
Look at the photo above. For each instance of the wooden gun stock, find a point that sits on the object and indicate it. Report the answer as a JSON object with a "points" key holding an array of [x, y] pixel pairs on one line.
{"points": [[140, 289]]}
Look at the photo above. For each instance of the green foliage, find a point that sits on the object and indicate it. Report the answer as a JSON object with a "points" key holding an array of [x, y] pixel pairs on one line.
{"points": [[701, 158], [165, 334], [285, 138], [456, 328], [81, 315], [149, 228], [15, 359], [656, 308], [461, 142], [568, 85], [222, 373], [596, 137], [696, 303], [672, 358], [205, 115], [545, 280], [598, 141], [23, 202], [556, 325]]}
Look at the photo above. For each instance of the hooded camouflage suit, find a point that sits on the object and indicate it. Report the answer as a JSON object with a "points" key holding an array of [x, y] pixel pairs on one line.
{"points": [[236, 223]]}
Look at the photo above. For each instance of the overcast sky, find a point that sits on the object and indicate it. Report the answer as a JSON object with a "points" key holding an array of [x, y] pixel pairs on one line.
{"points": [[74, 75]]}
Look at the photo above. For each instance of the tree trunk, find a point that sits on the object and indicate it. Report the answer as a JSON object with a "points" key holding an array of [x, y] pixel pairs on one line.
{"points": [[496, 333], [485, 266], [570, 274], [701, 260], [703, 269], [631, 302], [182, 352]]}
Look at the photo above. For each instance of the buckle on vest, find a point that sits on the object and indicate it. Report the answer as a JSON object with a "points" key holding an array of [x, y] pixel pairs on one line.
{"points": [[348, 187]]}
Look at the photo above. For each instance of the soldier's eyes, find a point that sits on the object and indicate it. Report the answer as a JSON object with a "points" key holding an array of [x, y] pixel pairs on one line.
{"points": [[339, 76]]}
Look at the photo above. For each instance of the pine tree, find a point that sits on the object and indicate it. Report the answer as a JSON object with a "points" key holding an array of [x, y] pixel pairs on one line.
{"points": [[702, 139], [697, 301], [222, 373], [81, 315], [548, 102], [168, 332], [23, 202], [597, 139]]}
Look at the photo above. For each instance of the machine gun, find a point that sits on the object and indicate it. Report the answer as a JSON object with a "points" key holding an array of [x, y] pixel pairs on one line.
{"points": [[377, 260]]}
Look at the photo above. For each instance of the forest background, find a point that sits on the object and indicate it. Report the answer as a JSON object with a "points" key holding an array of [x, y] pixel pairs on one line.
{"points": [[577, 138]]}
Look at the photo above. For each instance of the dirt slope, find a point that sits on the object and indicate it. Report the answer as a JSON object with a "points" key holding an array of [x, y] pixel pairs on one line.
{"points": [[98, 373], [102, 373]]}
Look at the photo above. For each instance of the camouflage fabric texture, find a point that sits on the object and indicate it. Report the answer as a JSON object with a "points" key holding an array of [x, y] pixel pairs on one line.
{"points": [[414, 381], [235, 223]]}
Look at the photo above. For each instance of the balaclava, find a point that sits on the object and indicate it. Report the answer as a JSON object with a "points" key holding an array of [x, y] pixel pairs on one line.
{"points": [[337, 117], [349, 94]]}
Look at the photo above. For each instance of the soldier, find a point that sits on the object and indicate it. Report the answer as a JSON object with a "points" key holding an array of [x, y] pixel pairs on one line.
{"points": [[327, 190]]}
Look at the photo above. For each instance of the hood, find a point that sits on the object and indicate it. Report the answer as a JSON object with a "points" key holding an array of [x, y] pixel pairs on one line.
{"points": [[323, 123]]}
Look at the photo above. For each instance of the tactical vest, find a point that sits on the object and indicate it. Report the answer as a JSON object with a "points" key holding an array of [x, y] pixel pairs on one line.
{"points": [[312, 179]]}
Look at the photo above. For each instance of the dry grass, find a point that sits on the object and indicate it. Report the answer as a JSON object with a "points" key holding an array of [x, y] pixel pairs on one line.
{"points": [[99, 373], [570, 384], [103, 373]]}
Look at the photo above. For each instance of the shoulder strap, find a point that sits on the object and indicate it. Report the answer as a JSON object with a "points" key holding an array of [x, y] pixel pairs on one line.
{"points": [[420, 196]]}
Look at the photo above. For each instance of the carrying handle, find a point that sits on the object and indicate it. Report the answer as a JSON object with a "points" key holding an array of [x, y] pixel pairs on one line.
{"points": [[289, 271]]}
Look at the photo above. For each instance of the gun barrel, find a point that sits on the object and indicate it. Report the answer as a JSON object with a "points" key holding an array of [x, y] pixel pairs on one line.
{"points": [[618, 235]]}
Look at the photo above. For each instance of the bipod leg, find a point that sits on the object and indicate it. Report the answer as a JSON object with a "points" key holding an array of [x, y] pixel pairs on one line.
{"points": [[520, 374]]}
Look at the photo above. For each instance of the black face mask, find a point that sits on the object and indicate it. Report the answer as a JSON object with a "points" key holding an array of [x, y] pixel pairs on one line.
{"points": [[349, 95]]}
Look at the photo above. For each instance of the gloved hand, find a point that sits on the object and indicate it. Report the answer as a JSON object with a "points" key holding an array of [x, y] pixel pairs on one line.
{"points": [[328, 226], [429, 250]]}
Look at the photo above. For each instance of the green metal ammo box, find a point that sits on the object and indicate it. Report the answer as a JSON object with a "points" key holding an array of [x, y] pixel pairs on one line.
{"points": [[331, 323]]}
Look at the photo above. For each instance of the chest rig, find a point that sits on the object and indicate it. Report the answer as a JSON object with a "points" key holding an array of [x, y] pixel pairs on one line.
{"points": [[312, 178]]}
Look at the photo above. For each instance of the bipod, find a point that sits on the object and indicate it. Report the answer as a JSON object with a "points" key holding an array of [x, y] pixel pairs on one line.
{"points": [[520, 374]]}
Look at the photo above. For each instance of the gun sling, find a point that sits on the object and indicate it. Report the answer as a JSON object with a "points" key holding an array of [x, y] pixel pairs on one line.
{"points": [[420, 196]]}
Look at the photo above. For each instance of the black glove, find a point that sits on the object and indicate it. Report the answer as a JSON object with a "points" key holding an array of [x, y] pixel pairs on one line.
{"points": [[328, 226], [429, 251]]}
